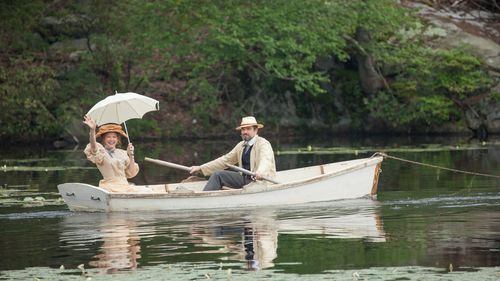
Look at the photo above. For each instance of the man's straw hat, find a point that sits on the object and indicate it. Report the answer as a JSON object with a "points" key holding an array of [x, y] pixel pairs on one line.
{"points": [[249, 121]]}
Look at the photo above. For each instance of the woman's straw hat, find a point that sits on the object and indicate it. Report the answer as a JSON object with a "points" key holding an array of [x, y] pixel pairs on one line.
{"points": [[110, 128], [249, 121]]}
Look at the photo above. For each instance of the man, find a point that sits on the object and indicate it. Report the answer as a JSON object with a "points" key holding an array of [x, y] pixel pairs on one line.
{"points": [[253, 153]]}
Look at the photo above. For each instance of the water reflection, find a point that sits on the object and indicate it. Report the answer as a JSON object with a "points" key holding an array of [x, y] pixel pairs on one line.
{"points": [[117, 234], [250, 237], [120, 248], [253, 240], [260, 248]]}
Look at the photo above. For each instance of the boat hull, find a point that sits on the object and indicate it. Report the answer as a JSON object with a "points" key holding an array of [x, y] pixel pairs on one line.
{"points": [[336, 181]]}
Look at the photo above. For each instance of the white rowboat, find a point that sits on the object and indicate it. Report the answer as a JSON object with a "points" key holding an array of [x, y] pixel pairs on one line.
{"points": [[334, 181]]}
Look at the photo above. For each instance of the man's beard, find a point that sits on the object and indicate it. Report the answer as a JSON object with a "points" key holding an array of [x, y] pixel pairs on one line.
{"points": [[246, 137]]}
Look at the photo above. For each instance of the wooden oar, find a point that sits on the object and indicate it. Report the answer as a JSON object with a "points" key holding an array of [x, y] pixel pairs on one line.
{"points": [[168, 164], [186, 168], [247, 172]]}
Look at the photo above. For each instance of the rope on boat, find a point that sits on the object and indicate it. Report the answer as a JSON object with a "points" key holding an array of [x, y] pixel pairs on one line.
{"points": [[434, 166]]}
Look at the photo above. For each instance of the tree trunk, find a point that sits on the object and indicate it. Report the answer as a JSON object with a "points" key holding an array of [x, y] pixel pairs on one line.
{"points": [[371, 80]]}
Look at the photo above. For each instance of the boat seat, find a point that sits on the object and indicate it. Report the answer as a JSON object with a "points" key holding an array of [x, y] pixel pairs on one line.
{"points": [[228, 188]]}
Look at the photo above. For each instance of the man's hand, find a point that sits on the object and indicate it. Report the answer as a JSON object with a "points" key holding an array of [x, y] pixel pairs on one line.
{"points": [[195, 169], [258, 176]]}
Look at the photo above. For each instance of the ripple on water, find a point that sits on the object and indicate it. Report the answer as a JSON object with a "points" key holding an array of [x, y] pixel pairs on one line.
{"points": [[35, 215], [448, 201]]}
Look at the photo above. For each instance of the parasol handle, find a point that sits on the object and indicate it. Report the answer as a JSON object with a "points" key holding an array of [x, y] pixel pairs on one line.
{"points": [[126, 131]]}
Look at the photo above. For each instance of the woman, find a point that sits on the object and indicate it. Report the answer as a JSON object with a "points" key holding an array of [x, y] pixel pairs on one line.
{"points": [[116, 165]]}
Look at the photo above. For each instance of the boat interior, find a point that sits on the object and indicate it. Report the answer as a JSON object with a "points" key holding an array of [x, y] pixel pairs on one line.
{"points": [[195, 185]]}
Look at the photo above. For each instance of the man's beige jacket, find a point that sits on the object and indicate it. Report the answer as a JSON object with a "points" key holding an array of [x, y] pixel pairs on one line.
{"points": [[261, 159]]}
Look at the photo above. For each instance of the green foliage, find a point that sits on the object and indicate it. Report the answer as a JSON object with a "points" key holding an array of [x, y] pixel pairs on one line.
{"points": [[429, 84], [430, 87], [204, 99], [386, 107], [352, 97], [22, 17], [496, 96], [418, 112], [452, 73], [222, 59], [28, 102]]}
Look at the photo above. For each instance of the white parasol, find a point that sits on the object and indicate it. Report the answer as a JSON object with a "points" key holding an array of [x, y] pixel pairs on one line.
{"points": [[121, 107]]}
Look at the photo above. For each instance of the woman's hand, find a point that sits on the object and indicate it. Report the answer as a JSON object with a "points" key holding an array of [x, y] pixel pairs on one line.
{"points": [[130, 150], [92, 125], [87, 120]]}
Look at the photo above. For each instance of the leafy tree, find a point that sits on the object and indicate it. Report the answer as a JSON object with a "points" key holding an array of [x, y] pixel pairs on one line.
{"points": [[432, 88], [249, 53], [217, 60]]}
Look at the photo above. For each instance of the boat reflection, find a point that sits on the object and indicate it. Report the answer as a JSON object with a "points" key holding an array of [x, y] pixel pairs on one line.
{"points": [[259, 232], [248, 236], [362, 225]]}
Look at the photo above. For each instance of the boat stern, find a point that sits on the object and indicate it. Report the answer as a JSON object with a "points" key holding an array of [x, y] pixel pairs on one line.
{"points": [[378, 170]]}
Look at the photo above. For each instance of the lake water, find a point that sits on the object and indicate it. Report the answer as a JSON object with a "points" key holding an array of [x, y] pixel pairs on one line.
{"points": [[426, 224]]}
